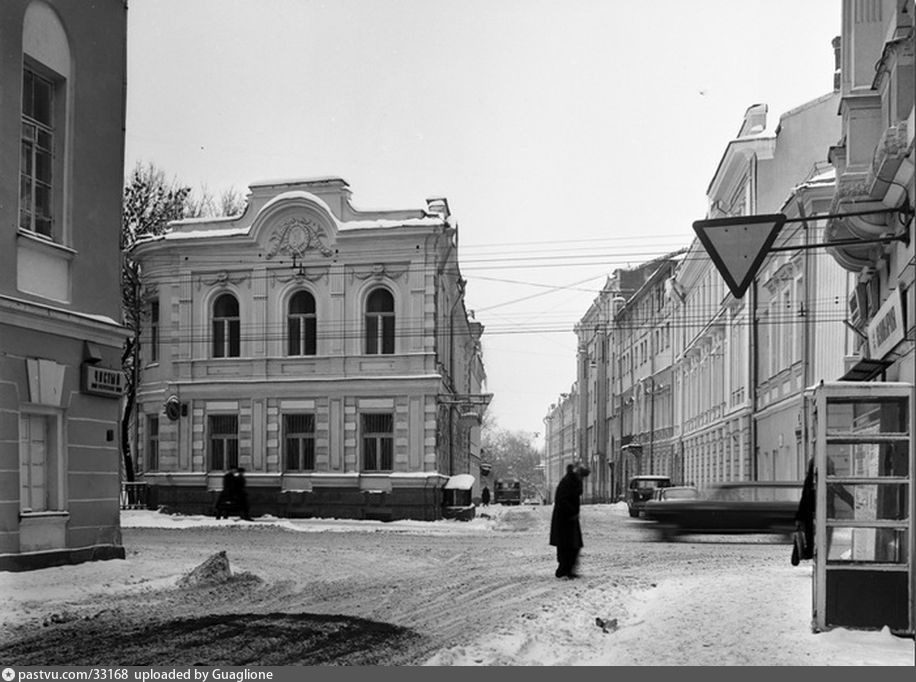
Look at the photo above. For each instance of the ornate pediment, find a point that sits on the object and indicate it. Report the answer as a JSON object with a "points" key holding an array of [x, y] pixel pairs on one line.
{"points": [[297, 236]]}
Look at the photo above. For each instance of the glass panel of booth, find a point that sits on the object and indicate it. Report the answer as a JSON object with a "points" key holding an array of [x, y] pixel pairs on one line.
{"points": [[846, 544], [856, 459], [867, 414]]}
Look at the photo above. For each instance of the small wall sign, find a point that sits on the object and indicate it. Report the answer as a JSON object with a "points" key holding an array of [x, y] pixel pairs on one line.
{"points": [[103, 381]]}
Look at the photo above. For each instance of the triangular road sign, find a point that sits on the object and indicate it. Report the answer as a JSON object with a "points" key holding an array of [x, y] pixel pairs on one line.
{"points": [[738, 245]]}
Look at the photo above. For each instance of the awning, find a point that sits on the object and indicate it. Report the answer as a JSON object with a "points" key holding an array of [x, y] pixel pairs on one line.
{"points": [[865, 369], [460, 482]]}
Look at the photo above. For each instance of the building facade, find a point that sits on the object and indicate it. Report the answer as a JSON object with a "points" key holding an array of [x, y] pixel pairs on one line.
{"points": [[561, 438], [641, 407], [62, 136], [325, 350], [676, 376], [743, 364], [873, 157]]}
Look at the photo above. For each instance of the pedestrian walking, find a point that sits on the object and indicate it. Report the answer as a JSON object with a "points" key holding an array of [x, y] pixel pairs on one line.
{"points": [[485, 496], [233, 496], [241, 494], [803, 538], [565, 530]]}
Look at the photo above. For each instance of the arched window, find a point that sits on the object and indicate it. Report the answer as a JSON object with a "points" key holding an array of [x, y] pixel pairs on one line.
{"points": [[45, 73], [301, 324], [380, 323], [226, 327]]}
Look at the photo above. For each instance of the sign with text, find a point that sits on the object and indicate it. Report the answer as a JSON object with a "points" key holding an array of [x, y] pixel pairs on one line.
{"points": [[885, 330], [103, 381]]}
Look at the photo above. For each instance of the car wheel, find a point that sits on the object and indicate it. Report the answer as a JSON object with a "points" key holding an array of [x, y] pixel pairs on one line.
{"points": [[667, 533], [633, 512]]}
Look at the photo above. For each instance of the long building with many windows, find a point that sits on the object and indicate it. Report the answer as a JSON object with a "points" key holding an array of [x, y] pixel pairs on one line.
{"points": [[679, 377], [325, 350]]}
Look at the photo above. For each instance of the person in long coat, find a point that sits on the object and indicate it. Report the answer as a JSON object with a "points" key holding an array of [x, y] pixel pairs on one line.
{"points": [[804, 519], [565, 531]]}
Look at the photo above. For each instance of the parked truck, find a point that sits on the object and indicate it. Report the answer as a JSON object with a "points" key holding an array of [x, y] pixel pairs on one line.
{"points": [[507, 492]]}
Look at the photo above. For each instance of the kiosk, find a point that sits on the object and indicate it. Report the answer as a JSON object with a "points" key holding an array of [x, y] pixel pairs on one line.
{"points": [[861, 437]]}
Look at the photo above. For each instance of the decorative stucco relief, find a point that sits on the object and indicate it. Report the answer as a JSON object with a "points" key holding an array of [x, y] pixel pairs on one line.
{"points": [[378, 271], [302, 274], [298, 235], [222, 279]]}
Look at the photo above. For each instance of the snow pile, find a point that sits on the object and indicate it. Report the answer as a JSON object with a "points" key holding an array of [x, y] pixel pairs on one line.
{"points": [[486, 520]]}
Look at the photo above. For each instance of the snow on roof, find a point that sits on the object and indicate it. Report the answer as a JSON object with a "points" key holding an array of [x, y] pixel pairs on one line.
{"points": [[460, 482], [382, 222], [197, 234], [318, 179]]}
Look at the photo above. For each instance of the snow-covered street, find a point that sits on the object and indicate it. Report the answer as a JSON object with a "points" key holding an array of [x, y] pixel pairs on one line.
{"points": [[467, 593]]}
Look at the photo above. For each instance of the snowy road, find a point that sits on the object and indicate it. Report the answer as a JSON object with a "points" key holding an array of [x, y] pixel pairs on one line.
{"points": [[476, 593]]}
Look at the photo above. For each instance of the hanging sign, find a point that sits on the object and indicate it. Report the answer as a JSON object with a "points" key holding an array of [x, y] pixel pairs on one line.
{"points": [[885, 330]]}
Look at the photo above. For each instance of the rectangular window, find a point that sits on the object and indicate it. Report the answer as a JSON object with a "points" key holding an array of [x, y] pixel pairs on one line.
{"points": [[152, 443], [224, 441], [299, 437], [154, 331], [380, 334], [302, 333], [39, 476], [37, 153], [378, 442]]}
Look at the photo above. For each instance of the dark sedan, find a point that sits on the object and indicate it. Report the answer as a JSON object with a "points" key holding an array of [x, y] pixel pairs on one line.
{"points": [[729, 508]]}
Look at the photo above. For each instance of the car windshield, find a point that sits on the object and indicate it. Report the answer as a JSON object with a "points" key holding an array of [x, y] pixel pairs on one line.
{"points": [[650, 483], [676, 494]]}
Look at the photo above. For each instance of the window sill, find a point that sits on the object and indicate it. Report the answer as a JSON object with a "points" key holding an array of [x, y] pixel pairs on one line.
{"points": [[43, 514], [46, 244]]}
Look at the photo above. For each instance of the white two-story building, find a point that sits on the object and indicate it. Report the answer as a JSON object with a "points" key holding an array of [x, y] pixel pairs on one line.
{"points": [[325, 350]]}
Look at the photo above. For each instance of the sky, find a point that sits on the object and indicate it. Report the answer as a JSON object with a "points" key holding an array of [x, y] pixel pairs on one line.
{"points": [[716, 616], [570, 137]]}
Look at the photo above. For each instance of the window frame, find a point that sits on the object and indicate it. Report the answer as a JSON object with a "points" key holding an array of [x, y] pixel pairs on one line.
{"points": [[152, 442], [51, 130], [379, 445], [225, 330], [229, 455], [380, 325], [303, 341], [54, 480], [305, 443], [154, 330]]}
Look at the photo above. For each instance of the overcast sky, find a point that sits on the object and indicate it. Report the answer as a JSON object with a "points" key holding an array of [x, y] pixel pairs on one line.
{"points": [[571, 137]]}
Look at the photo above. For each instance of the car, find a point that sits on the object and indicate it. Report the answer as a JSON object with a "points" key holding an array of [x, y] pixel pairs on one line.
{"points": [[640, 490], [729, 508], [665, 495]]}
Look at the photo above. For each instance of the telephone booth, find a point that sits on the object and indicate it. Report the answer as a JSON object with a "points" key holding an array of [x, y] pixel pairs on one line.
{"points": [[861, 433]]}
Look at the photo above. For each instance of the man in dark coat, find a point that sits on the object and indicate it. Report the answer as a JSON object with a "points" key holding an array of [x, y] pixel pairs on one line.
{"points": [[485, 496], [804, 519], [565, 531]]}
